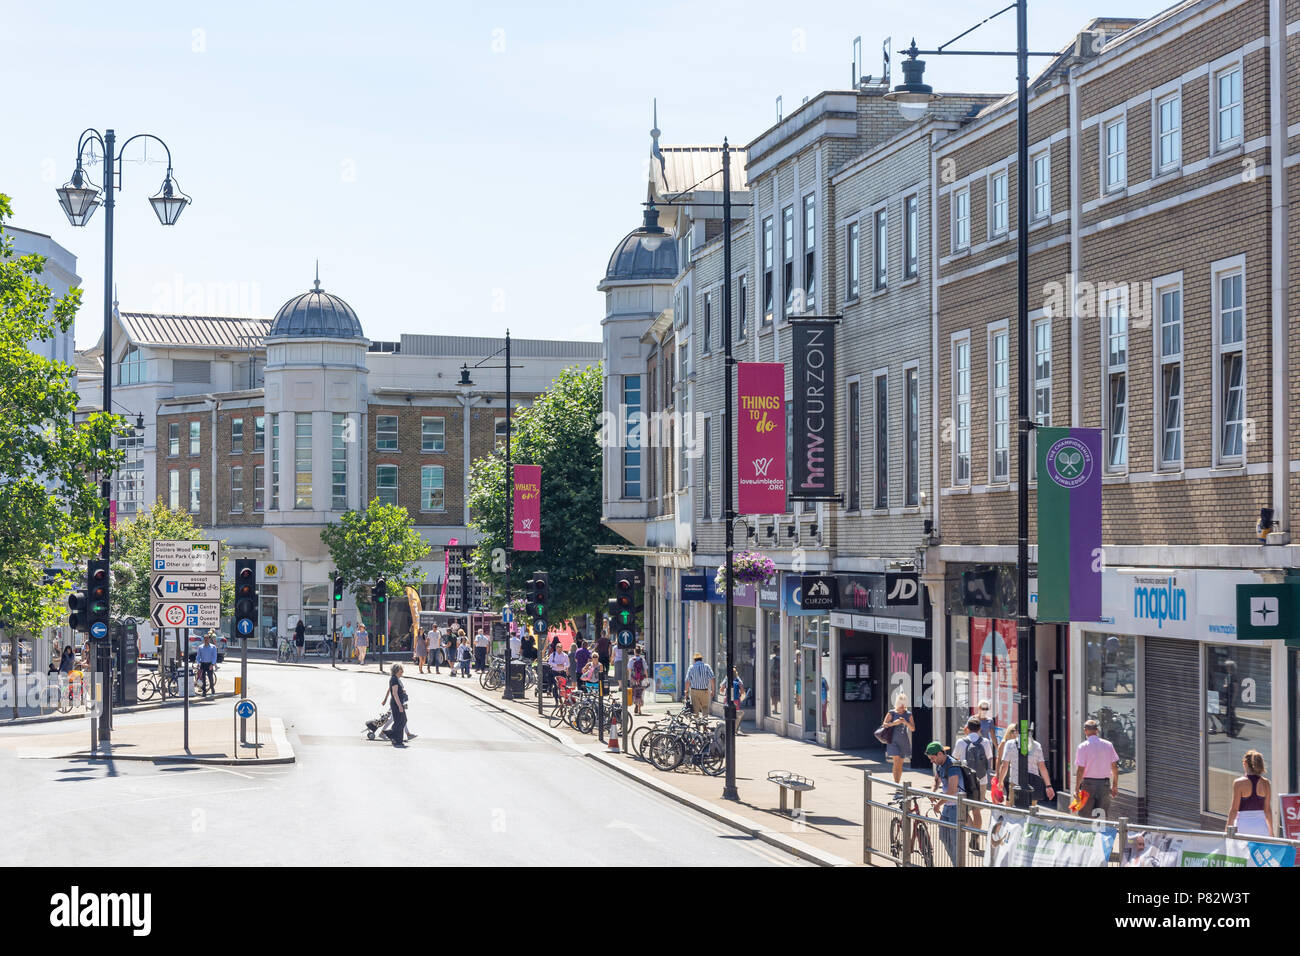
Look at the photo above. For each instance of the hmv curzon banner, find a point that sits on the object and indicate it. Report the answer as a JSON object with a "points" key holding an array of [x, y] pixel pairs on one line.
{"points": [[814, 409], [760, 438]]}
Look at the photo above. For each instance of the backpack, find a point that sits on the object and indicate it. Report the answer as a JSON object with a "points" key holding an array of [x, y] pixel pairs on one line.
{"points": [[976, 758], [638, 669], [969, 782]]}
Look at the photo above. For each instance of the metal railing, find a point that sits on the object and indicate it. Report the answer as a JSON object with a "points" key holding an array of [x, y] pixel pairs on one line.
{"points": [[906, 825]]}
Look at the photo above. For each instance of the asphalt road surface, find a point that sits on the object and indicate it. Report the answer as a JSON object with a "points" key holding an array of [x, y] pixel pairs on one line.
{"points": [[477, 788]]}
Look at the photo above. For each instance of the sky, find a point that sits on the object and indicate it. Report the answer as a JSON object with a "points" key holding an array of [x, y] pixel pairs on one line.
{"points": [[454, 167]]}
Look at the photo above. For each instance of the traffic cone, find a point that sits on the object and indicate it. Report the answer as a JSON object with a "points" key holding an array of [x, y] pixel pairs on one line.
{"points": [[613, 735]]}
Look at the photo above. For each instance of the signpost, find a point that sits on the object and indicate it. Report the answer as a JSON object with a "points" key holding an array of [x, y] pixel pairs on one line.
{"points": [[172, 614], [185, 592], [187, 557], [184, 587]]}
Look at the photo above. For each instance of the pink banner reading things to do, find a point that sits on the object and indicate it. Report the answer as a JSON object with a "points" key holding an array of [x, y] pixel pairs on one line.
{"points": [[760, 437], [528, 508]]}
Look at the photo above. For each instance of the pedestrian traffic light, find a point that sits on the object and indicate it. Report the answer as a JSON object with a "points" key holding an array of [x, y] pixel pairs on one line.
{"points": [[97, 599], [78, 620], [338, 589], [624, 608], [245, 597], [539, 600], [379, 593]]}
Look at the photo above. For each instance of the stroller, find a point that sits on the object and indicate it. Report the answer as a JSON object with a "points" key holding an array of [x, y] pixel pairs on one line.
{"points": [[378, 725]]}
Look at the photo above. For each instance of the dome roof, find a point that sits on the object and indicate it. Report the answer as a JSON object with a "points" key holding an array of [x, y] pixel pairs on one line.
{"points": [[316, 314], [632, 260]]}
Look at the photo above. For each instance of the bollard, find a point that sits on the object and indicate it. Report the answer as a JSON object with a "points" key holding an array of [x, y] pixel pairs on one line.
{"points": [[866, 818], [1122, 839], [906, 852], [960, 861]]}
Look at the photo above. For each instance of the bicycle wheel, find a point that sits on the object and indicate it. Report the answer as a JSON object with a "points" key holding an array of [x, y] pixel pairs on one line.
{"points": [[584, 721], [714, 761], [637, 740], [146, 690], [922, 852], [173, 687], [282, 654], [556, 715], [896, 838], [666, 753]]}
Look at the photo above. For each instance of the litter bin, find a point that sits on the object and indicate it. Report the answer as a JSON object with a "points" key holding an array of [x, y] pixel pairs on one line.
{"points": [[517, 679]]}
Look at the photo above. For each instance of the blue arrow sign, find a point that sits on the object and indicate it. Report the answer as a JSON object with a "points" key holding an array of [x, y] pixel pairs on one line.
{"points": [[507, 615], [244, 626], [245, 709], [98, 629]]}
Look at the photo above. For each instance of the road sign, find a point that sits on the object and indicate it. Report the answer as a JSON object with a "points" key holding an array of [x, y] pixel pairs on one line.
{"points": [[99, 629], [245, 626], [507, 615], [171, 614], [187, 557], [245, 709], [166, 587]]}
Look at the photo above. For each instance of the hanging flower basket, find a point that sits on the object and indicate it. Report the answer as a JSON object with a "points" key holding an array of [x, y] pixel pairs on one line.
{"points": [[748, 567]]}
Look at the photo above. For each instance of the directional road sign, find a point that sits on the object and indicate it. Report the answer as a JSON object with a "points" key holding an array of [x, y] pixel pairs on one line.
{"points": [[170, 587], [245, 708], [245, 626], [187, 557], [507, 615], [99, 629], [179, 614]]}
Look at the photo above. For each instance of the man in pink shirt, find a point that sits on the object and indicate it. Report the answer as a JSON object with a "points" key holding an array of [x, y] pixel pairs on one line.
{"points": [[1096, 770]]}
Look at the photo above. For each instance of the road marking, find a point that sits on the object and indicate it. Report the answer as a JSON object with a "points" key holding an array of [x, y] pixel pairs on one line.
{"points": [[631, 828]]}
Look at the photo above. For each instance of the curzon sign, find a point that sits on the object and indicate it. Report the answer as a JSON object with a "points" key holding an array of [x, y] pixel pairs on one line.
{"points": [[813, 419]]}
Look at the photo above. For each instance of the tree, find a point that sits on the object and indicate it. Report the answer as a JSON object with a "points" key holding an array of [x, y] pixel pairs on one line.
{"points": [[559, 431], [51, 512], [372, 544], [132, 558]]}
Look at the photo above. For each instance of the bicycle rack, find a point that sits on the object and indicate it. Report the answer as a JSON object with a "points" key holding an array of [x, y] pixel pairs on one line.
{"points": [[257, 739]]}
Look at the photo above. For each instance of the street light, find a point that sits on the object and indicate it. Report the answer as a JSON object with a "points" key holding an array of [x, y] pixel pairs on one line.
{"points": [[79, 198], [651, 234], [913, 98]]}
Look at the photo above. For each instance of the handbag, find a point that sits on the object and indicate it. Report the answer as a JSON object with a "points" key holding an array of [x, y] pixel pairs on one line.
{"points": [[885, 734]]}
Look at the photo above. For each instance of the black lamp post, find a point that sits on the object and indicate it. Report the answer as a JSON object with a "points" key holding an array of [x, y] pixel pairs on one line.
{"points": [[79, 198], [913, 98], [652, 235]]}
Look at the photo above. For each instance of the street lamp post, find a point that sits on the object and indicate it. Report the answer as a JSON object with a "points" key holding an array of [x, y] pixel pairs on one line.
{"points": [[913, 98], [79, 198]]}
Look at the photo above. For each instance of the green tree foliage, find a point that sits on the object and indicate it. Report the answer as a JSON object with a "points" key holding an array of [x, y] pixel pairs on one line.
{"points": [[560, 432], [40, 526], [132, 558], [376, 543]]}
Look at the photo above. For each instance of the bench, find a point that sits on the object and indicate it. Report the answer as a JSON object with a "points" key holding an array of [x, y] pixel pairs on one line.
{"points": [[791, 783]]}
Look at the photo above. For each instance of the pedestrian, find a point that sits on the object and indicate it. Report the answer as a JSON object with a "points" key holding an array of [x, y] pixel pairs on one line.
{"points": [[348, 632], [516, 645], [1249, 811], [578, 660], [949, 779], [976, 752], [1096, 772], [481, 643], [900, 741], [362, 642], [207, 658], [396, 694], [527, 648], [987, 730], [558, 662], [602, 651], [67, 660], [638, 676], [591, 673], [421, 648], [449, 649], [738, 698], [299, 638], [701, 684], [1009, 769], [466, 656]]}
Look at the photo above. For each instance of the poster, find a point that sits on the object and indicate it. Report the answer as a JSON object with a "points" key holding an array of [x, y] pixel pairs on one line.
{"points": [[1188, 850], [666, 679], [760, 438], [1016, 840], [1069, 524], [528, 508], [995, 668]]}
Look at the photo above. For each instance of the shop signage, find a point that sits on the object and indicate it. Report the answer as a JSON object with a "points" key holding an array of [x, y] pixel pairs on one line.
{"points": [[902, 589], [528, 508], [1069, 524], [813, 417], [817, 592], [746, 595], [1290, 804], [760, 438], [769, 594], [1267, 611], [1196, 605], [694, 587], [792, 596], [841, 620], [868, 593]]}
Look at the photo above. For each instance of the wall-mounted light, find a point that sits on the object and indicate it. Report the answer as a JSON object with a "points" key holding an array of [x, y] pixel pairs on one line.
{"points": [[812, 529], [789, 531], [771, 531], [1265, 523]]}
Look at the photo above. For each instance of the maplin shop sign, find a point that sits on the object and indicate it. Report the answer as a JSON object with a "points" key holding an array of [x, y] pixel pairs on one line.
{"points": [[813, 414], [1159, 599]]}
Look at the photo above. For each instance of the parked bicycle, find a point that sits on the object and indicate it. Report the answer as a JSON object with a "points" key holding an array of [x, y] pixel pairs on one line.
{"points": [[284, 650], [922, 849]]}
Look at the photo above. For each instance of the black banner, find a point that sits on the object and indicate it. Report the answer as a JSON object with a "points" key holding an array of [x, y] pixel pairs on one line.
{"points": [[813, 415]]}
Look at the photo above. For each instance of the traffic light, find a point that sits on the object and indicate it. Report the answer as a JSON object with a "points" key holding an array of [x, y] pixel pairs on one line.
{"points": [[338, 589], [245, 597], [379, 593], [78, 620], [538, 602], [624, 608], [97, 599]]}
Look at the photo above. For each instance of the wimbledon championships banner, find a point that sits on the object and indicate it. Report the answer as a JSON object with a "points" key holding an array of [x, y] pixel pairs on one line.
{"points": [[760, 438], [528, 508], [1178, 849], [1069, 524], [813, 352], [1048, 841]]}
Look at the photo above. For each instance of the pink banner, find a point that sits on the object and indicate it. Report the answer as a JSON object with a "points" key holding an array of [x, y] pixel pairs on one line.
{"points": [[446, 562], [760, 437], [528, 508]]}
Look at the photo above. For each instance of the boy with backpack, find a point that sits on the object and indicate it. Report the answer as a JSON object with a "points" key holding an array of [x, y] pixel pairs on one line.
{"points": [[974, 753]]}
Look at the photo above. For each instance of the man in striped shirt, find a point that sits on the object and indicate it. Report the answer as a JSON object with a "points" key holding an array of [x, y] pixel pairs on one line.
{"points": [[702, 685]]}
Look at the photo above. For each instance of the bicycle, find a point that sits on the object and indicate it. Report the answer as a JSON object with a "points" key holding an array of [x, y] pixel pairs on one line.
{"points": [[75, 696], [325, 648], [284, 650], [921, 845]]}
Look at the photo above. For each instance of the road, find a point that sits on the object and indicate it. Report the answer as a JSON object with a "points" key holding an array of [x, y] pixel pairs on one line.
{"points": [[477, 788]]}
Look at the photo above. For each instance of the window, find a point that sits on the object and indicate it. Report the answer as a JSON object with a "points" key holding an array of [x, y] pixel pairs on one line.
{"points": [[707, 342], [767, 270], [855, 447], [810, 252], [632, 443], [1041, 170], [708, 469], [1169, 343], [1042, 358], [236, 490], [302, 461], [961, 219], [1116, 154], [742, 294], [173, 439], [1230, 341], [386, 432], [433, 434], [196, 430], [912, 409], [911, 245], [961, 411], [881, 233], [882, 441], [1239, 707], [339, 462], [386, 484], [174, 490], [275, 460], [259, 433], [236, 436], [432, 493], [999, 407], [129, 477], [1227, 107], [1169, 133], [259, 489], [196, 491], [1111, 695], [851, 247], [500, 431], [133, 369], [787, 250], [998, 204], [1117, 383]]}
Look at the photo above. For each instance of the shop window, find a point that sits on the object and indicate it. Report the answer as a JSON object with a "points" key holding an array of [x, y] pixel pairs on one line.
{"points": [[1238, 716], [1111, 698], [772, 632]]}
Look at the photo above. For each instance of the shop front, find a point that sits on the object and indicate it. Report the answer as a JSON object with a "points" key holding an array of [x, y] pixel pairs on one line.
{"points": [[745, 606]]}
